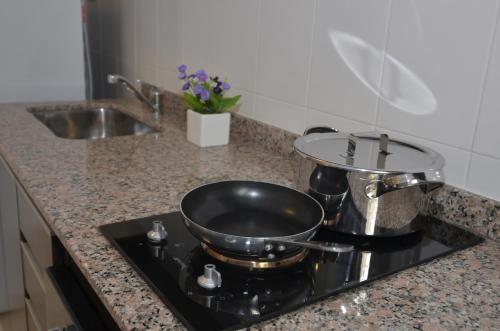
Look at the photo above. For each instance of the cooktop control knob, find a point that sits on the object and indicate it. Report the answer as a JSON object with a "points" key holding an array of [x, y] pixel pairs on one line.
{"points": [[158, 233], [211, 278]]}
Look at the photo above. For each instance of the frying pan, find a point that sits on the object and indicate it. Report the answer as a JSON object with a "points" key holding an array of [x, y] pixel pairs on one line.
{"points": [[254, 218]]}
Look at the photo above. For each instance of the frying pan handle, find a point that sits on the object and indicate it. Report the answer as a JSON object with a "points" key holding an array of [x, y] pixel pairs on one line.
{"points": [[317, 245]]}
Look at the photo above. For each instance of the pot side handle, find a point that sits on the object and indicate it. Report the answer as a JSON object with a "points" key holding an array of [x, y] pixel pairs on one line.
{"points": [[320, 129], [431, 179]]}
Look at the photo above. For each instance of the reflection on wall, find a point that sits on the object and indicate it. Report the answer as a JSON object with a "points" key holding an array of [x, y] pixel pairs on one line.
{"points": [[404, 89]]}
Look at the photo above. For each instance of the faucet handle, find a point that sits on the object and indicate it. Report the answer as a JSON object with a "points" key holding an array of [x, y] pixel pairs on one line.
{"points": [[154, 94]]}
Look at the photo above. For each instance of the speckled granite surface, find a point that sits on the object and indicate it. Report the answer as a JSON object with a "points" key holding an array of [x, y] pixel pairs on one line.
{"points": [[79, 185], [467, 210]]}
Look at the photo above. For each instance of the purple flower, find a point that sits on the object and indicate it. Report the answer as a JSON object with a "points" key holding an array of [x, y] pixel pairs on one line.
{"points": [[204, 95], [198, 89], [217, 90], [203, 87], [202, 76]]}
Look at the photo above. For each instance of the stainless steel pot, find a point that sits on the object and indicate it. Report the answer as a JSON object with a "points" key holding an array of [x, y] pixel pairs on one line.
{"points": [[368, 184]]}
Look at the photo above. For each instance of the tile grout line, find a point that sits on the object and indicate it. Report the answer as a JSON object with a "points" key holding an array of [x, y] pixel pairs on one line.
{"points": [[157, 43], [427, 139], [309, 108], [257, 51], [100, 51], [486, 156], [309, 69], [134, 41], [181, 32], [382, 65], [481, 97]]}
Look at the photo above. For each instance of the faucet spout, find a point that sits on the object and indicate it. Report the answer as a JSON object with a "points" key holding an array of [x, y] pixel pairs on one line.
{"points": [[154, 104]]}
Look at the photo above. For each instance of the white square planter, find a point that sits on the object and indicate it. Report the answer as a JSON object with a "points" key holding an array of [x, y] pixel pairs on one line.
{"points": [[208, 129]]}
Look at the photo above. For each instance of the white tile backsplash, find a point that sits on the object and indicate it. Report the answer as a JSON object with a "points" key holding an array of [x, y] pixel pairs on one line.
{"points": [[483, 176], [437, 65], [487, 138], [318, 118], [246, 104], [236, 41], [347, 55], [284, 49], [426, 71], [148, 73], [198, 34], [169, 34], [281, 114], [146, 32], [126, 31], [167, 79]]}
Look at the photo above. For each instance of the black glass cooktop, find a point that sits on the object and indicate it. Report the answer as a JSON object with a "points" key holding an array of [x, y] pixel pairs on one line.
{"points": [[247, 297]]}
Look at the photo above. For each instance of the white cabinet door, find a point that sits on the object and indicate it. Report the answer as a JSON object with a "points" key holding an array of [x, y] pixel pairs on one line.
{"points": [[11, 280]]}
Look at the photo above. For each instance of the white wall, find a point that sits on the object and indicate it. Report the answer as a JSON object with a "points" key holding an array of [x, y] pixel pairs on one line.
{"points": [[424, 70], [41, 51]]}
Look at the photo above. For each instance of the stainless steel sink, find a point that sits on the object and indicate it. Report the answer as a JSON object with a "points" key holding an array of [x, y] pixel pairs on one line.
{"points": [[90, 123]]}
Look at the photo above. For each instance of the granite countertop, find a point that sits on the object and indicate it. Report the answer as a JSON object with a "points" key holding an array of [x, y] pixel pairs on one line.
{"points": [[79, 185]]}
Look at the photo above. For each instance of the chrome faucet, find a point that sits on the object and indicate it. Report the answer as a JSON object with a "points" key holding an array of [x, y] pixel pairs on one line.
{"points": [[154, 102]]}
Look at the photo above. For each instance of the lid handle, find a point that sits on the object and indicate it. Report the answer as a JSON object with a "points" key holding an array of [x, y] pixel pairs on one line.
{"points": [[383, 142], [351, 149]]}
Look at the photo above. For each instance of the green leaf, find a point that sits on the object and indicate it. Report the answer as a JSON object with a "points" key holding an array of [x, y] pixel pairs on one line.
{"points": [[193, 102], [214, 102], [227, 103]]}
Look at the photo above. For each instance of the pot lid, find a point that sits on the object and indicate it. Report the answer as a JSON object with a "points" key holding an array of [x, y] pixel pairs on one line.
{"points": [[370, 152]]}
